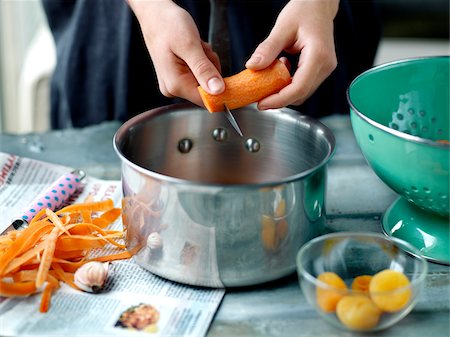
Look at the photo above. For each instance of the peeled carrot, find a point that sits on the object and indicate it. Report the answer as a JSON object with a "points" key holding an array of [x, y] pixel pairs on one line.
{"points": [[247, 87]]}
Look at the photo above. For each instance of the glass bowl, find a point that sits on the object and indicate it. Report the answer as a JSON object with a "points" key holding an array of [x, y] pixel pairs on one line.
{"points": [[361, 281]]}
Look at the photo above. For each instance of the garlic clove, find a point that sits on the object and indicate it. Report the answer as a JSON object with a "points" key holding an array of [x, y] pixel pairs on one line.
{"points": [[91, 276], [154, 241]]}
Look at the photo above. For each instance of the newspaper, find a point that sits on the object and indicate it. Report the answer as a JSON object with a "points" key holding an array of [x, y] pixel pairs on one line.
{"points": [[171, 309]]}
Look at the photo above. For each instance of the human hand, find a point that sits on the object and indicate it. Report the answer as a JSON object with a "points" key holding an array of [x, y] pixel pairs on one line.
{"points": [[304, 27], [181, 59]]}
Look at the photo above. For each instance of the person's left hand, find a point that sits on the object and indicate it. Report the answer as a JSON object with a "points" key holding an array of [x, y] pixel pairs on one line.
{"points": [[304, 27]]}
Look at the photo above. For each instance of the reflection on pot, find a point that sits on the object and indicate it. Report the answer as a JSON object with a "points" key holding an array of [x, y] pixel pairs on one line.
{"points": [[274, 223], [314, 201]]}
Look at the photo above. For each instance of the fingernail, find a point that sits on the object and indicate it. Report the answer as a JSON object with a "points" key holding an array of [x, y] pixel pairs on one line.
{"points": [[255, 59], [215, 85]]}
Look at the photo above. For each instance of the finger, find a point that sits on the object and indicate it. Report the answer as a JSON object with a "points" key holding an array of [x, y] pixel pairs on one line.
{"points": [[204, 70], [286, 62], [293, 94], [186, 87], [176, 80], [268, 50], [212, 56], [305, 81]]}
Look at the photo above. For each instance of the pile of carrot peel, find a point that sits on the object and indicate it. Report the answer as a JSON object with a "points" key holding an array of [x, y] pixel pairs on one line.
{"points": [[54, 246]]}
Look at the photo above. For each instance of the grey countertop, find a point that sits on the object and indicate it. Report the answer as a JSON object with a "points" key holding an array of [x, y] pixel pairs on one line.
{"points": [[356, 200]]}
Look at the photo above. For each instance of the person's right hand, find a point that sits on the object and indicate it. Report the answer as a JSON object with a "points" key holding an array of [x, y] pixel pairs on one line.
{"points": [[181, 59]]}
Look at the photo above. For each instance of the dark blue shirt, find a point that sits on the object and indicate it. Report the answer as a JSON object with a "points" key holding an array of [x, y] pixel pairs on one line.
{"points": [[104, 71]]}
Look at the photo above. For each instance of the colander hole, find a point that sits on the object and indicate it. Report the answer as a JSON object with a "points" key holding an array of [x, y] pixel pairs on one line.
{"points": [[394, 126], [433, 120], [414, 188], [406, 191], [439, 131], [411, 111], [400, 117], [422, 113], [371, 138], [430, 200], [442, 195], [426, 190], [424, 129], [413, 125]]}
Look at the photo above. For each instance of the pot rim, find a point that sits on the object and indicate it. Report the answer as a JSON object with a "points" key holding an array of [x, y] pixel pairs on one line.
{"points": [[328, 135]]}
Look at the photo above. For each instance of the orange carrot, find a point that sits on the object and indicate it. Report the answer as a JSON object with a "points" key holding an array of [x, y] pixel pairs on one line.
{"points": [[25, 275], [69, 244], [56, 221], [86, 216], [63, 277], [54, 246], [13, 289], [98, 206], [69, 266], [119, 256], [47, 256], [46, 297], [72, 255], [37, 217], [107, 218], [24, 258], [27, 238], [247, 87]]}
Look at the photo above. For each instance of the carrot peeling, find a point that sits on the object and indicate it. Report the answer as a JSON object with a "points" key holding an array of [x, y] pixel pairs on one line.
{"points": [[46, 298], [54, 245], [247, 87], [14, 289]]}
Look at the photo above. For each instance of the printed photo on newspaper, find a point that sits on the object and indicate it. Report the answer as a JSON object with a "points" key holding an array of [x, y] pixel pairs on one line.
{"points": [[132, 301]]}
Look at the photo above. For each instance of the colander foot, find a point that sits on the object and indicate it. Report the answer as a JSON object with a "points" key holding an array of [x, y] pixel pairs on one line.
{"points": [[425, 230]]}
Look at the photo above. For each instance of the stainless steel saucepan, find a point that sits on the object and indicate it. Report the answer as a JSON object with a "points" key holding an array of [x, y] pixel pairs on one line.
{"points": [[204, 206]]}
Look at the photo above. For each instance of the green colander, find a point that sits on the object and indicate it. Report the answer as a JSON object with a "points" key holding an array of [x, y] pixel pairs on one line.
{"points": [[400, 117]]}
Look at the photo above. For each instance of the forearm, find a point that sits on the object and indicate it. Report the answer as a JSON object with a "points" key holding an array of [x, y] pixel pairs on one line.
{"points": [[146, 8]]}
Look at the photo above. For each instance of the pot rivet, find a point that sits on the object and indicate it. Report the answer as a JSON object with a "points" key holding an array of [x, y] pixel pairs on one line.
{"points": [[185, 145], [220, 134], [252, 145]]}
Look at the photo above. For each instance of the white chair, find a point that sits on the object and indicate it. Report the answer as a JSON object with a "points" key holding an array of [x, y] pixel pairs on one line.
{"points": [[34, 83]]}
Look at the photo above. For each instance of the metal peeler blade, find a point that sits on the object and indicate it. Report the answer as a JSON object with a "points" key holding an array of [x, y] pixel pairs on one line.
{"points": [[232, 121]]}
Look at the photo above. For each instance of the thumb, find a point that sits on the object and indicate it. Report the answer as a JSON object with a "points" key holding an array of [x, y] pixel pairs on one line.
{"points": [[205, 72], [266, 52]]}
